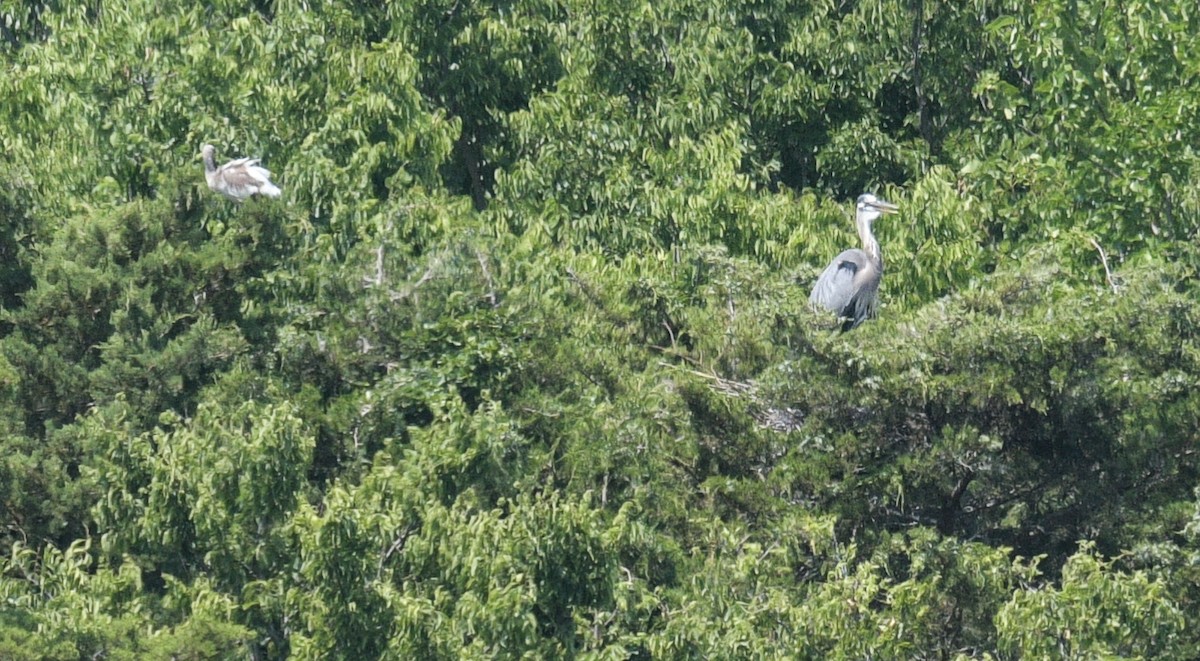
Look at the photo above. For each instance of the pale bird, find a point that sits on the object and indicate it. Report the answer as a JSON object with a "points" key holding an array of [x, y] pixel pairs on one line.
{"points": [[238, 179], [849, 286]]}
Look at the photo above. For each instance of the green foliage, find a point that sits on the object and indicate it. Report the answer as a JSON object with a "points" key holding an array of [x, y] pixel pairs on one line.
{"points": [[57, 607], [1097, 613], [1092, 135], [521, 364]]}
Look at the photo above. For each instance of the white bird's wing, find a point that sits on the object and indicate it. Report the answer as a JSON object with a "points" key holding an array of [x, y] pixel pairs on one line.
{"points": [[243, 177], [238, 163], [259, 173]]}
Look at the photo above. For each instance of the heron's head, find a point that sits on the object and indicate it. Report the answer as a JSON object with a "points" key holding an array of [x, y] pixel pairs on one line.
{"points": [[206, 151], [870, 207]]}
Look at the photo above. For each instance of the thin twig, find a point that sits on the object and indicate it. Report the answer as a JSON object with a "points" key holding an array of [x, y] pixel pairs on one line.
{"points": [[594, 298], [487, 275], [378, 279], [397, 545], [723, 385], [426, 277]]}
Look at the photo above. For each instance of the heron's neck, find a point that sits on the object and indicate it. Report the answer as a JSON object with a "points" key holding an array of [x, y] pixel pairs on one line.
{"points": [[869, 244], [209, 165]]}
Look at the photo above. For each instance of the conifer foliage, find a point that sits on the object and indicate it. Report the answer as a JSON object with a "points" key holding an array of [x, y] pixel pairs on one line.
{"points": [[521, 365]]}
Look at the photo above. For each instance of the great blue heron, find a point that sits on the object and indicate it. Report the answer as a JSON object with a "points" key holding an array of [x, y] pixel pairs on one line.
{"points": [[238, 179], [849, 286]]}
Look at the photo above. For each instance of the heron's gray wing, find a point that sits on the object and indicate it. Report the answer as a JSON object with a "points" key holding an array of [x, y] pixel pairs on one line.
{"points": [[836, 287], [866, 295]]}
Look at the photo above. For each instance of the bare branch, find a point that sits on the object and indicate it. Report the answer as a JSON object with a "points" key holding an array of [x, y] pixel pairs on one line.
{"points": [[1104, 260], [487, 275], [377, 279]]}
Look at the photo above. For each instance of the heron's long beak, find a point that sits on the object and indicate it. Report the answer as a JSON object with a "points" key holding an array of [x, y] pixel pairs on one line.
{"points": [[885, 207]]}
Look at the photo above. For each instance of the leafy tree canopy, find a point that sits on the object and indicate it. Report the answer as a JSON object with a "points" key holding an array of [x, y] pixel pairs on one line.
{"points": [[521, 364]]}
